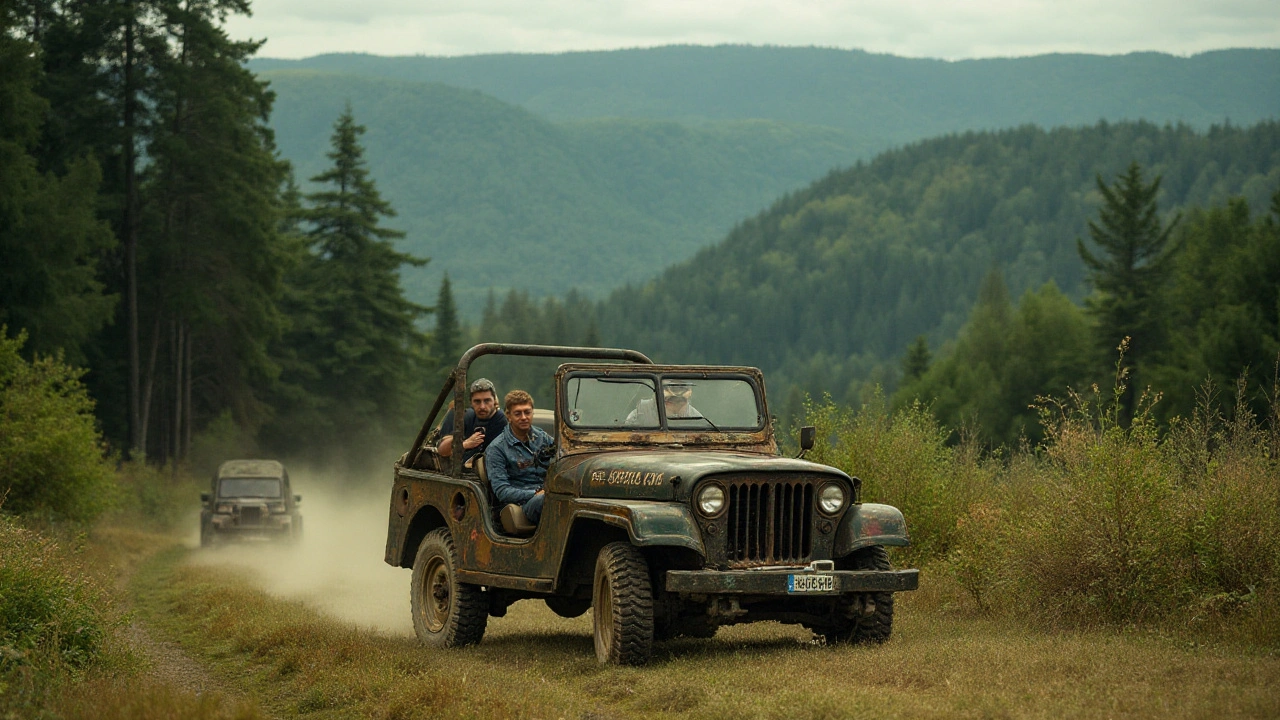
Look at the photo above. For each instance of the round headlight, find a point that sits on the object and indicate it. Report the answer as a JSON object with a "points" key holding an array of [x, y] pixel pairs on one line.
{"points": [[831, 498], [711, 499]]}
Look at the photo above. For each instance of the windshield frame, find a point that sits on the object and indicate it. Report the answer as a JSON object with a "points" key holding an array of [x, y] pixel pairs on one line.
{"points": [[280, 494], [658, 377]]}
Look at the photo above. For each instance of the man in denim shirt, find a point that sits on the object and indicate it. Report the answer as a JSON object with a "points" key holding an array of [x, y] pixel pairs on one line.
{"points": [[516, 470]]}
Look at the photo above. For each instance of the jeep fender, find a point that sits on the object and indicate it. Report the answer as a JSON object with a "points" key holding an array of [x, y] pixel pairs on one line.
{"points": [[870, 524], [647, 522]]}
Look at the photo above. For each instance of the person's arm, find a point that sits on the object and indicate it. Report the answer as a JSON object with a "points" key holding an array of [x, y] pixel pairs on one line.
{"points": [[495, 463], [444, 448]]}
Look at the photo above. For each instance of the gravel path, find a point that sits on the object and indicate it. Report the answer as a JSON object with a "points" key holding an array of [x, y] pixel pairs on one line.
{"points": [[171, 664]]}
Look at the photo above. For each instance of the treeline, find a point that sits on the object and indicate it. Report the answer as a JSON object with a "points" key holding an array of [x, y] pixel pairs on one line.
{"points": [[151, 233], [872, 277], [1183, 313]]}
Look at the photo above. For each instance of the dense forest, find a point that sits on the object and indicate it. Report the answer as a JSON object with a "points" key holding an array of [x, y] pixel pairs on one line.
{"points": [[828, 289], [632, 160], [151, 234], [154, 235]]}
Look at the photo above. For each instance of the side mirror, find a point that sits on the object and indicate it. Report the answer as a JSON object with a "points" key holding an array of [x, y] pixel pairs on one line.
{"points": [[808, 434], [297, 498], [205, 497]]}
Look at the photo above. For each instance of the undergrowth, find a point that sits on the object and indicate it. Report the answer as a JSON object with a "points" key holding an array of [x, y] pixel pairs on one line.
{"points": [[1107, 522]]}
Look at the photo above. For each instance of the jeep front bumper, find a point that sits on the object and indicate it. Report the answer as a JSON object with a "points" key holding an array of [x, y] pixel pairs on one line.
{"points": [[777, 582]]}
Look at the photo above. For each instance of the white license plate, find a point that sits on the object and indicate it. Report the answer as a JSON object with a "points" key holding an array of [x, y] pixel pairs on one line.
{"points": [[811, 583]]}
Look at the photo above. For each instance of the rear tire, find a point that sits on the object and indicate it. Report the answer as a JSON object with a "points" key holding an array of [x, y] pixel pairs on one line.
{"points": [[866, 629], [622, 606], [446, 613]]}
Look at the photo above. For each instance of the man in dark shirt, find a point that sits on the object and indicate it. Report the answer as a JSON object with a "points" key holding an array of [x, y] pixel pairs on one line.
{"points": [[482, 422]]}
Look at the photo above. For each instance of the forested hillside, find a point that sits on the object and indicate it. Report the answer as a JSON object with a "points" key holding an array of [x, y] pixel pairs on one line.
{"points": [[501, 198], [885, 99], [628, 161], [828, 287]]}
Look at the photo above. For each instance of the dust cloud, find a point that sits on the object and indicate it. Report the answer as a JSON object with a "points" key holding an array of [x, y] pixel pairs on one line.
{"points": [[338, 566]]}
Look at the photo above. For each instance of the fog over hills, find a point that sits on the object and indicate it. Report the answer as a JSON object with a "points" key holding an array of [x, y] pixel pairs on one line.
{"points": [[593, 169]]}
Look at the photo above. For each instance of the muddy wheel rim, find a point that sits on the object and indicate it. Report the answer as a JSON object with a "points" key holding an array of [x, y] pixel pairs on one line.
{"points": [[436, 595], [602, 617]]}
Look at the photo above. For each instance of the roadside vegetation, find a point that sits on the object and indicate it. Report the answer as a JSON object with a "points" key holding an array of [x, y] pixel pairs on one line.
{"points": [[1103, 524]]}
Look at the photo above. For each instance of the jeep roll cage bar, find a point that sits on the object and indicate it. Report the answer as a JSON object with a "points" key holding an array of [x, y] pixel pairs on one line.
{"points": [[457, 383]]}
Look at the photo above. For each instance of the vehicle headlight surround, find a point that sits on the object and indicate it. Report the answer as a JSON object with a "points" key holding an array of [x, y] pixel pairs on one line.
{"points": [[223, 508], [831, 498], [276, 508], [711, 500]]}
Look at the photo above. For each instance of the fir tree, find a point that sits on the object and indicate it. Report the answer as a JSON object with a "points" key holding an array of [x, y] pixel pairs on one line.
{"points": [[360, 355], [916, 362], [1128, 276], [447, 336]]}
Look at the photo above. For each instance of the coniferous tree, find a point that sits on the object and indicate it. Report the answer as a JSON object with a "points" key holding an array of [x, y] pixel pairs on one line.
{"points": [[359, 357], [50, 237], [447, 337], [916, 362], [211, 248], [1129, 275]]}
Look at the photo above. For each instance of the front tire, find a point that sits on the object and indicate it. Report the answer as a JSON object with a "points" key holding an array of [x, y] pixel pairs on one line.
{"points": [[873, 628], [622, 606], [446, 613]]}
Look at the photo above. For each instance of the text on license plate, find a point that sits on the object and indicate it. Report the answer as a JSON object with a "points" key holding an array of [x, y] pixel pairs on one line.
{"points": [[811, 583]]}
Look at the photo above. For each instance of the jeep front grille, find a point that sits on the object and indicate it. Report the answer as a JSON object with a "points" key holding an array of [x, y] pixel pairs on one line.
{"points": [[250, 515], [769, 522]]}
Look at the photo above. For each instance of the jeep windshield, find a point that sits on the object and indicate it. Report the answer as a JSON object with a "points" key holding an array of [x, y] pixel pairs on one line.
{"points": [[249, 488], [673, 402]]}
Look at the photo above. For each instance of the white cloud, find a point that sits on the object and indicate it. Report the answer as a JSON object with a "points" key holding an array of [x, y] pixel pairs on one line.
{"points": [[919, 28]]}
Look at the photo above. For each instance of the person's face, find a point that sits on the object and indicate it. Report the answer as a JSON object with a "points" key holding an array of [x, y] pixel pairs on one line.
{"points": [[520, 417], [484, 403], [676, 398]]}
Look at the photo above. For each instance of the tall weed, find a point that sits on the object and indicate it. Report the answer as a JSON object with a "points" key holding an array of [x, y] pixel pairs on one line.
{"points": [[1106, 522]]}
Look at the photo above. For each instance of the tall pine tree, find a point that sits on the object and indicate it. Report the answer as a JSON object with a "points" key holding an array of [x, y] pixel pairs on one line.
{"points": [[447, 338], [1128, 276], [360, 358]]}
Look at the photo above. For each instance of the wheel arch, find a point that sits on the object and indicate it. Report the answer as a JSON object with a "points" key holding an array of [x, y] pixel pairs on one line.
{"points": [[427, 518], [870, 524]]}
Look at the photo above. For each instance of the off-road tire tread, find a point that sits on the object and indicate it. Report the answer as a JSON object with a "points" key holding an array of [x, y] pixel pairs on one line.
{"points": [[873, 629], [469, 611], [876, 627], [632, 603]]}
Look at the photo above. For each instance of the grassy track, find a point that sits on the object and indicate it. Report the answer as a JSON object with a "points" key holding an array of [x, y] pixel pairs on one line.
{"points": [[295, 662]]}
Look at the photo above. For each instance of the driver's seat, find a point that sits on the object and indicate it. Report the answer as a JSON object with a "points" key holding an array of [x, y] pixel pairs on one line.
{"points": [[512, 516]]}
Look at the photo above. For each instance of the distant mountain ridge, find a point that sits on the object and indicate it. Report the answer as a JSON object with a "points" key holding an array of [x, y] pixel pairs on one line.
{"points": [[893, 99], [594, 169], [825, 289], [501, 198]]}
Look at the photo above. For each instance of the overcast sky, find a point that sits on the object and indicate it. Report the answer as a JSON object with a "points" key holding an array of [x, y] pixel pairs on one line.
{"points": [[951, 29]]}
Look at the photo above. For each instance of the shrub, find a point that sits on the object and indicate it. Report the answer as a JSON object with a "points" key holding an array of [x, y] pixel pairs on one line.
{"points": [[48, 615], [903, 460], [51, 454]]}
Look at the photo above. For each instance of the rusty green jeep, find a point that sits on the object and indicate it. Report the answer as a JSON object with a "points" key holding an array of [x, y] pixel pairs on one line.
{"points": [[668, 512]]}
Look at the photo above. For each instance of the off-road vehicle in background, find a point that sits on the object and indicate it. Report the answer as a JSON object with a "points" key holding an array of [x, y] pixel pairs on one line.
{"points": [[250, 499], [662, 522]]}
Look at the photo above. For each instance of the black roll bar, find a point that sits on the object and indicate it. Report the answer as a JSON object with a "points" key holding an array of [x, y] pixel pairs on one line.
{"points": [[457, 383]]}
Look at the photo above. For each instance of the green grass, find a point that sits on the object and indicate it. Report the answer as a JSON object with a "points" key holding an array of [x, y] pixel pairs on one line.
{"points": [[944, 660]]}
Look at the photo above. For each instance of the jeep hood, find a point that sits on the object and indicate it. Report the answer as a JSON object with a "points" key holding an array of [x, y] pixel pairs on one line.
{"points": [[668, 474]]}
